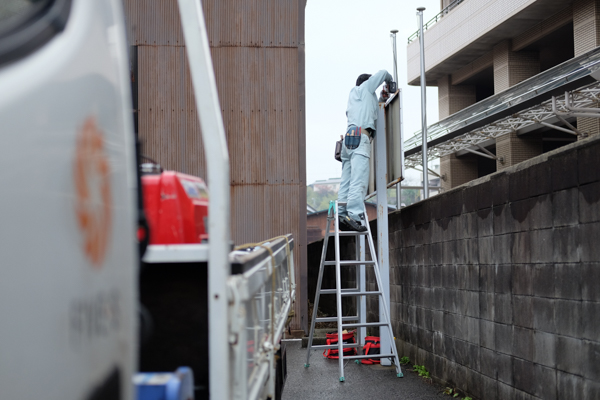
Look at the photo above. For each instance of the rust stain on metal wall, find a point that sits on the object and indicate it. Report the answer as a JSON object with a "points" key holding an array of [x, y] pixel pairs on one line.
{"points": [[257, 47]]}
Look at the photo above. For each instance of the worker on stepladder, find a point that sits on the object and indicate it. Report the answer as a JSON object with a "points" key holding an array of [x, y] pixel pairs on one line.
{"points": [[356, 151]]}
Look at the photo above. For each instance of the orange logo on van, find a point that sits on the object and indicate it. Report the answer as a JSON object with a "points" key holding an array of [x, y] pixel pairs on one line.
{"points": [[92, 189]]}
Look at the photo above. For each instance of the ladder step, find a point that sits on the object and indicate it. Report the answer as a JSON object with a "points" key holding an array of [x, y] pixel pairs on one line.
{"points": [[350, 233], [334, 319], [369, 356], [366, 324], [333, 291], [350, 262], [334, 346], [349, 292]]}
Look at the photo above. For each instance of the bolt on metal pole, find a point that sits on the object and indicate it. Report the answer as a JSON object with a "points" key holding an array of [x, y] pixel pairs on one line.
{"points": [[423, 105]]}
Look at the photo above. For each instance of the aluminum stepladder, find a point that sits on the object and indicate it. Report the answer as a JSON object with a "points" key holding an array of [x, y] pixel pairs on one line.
{"points": [[354, 321]]}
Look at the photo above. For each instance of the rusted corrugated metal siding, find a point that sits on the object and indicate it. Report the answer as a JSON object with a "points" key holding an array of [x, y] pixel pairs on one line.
{"points": [[257, 48], [153, 23], [168, 126], [262, 120], [253, 23]]}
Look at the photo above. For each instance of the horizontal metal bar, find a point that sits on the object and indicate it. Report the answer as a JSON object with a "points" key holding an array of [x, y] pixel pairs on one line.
{"points": [[333, 291], [389, 185], [369, 293], [349, 233], [585, 115], [335, 346], [334, 319], [367, 324], [176, 253], [369, 356], [419, 187], [353, 262], [349, 293]]}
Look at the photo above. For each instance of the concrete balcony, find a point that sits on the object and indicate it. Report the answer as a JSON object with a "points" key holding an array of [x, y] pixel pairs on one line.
{"points": [[471, 29]]}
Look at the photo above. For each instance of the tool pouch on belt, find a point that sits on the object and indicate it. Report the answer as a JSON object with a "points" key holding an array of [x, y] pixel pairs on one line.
{"points": [[372, 346], [338, 150], [352, 139], [332, 338]]}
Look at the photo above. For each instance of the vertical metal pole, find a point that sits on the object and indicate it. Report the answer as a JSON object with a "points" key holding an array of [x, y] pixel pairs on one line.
{"points": [[394, 50], [423, 104], [395, 54], [217, 160], [383, 243]]}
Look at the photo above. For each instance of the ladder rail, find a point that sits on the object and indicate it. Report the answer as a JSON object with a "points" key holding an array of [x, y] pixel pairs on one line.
{"points": [[317, 294], [338, 295], [386, 312]]}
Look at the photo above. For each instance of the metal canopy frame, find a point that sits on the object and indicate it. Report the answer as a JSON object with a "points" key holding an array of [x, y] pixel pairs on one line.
{"points": [[507, 111], [577, 103]]}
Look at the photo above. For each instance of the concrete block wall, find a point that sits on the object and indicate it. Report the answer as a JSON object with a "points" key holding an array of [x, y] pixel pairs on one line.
{"points": [[495, 285], [586, 34]]}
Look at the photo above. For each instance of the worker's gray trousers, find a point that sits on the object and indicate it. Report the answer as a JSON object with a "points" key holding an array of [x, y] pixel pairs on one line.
{"points": [[355, 178]]}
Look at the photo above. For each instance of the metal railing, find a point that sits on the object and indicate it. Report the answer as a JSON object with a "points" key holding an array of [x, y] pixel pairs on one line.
{"points": [[435, 19], [261, 293]]}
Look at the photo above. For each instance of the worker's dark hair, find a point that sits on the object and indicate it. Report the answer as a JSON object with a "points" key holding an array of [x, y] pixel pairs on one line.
{"points": [[362, 78]]}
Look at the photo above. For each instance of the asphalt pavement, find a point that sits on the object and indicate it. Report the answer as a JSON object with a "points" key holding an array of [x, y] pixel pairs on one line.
{"points": [[321, 379]]}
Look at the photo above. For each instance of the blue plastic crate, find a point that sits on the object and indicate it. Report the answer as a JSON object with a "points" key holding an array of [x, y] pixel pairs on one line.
{"points": [[178, 385]]}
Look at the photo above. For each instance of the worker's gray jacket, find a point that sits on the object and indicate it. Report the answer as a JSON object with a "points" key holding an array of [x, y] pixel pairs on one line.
{"points": [[362, 102]]}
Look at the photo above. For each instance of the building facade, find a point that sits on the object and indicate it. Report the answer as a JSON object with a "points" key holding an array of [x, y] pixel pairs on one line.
{"points": [[483, 54], [257, 50]]}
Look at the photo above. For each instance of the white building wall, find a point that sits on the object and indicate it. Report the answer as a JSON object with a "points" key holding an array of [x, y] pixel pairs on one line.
{"points": [[464, 25]]}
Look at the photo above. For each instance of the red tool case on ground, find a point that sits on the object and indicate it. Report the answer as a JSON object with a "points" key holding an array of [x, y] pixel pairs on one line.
{"points": [[176, 206], [332, 338]]}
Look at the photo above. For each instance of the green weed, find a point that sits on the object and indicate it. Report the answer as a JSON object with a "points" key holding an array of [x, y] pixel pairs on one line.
{"points": [[421, 370]]}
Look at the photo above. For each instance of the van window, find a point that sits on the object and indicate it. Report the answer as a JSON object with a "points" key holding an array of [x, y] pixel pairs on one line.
{"points": [[26, 25]]}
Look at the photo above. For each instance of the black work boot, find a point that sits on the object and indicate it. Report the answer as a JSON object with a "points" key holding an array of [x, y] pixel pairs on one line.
{"points": [[342, 224], [352, 225]]}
